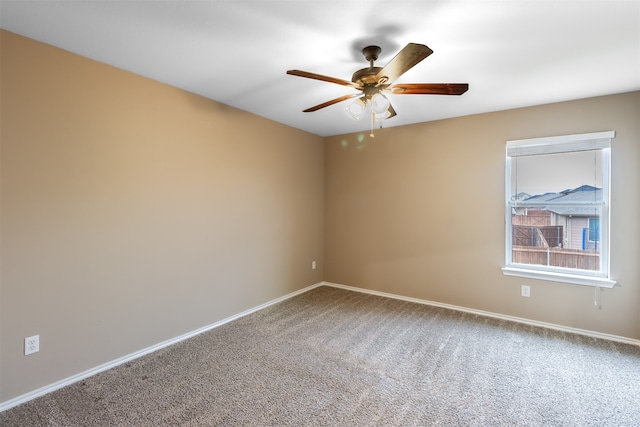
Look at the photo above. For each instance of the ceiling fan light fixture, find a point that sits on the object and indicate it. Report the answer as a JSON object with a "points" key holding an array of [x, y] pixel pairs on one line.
{"points": [[356, 108], [382, 116], [379, 104]]}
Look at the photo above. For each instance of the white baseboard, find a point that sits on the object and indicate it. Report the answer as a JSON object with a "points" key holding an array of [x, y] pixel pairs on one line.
{"points": [[561, 328], [112, 364]]}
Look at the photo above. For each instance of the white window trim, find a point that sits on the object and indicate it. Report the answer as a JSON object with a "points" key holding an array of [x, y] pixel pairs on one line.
{"points": [[558, 144], [576, 279]]}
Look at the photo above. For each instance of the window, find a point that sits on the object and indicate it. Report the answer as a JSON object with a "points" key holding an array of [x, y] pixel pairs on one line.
{"points": [[557, 208]]}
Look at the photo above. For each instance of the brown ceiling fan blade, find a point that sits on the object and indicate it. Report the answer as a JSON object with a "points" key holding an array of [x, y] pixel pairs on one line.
{"points": [[333, 101], [429, 88], [315, 76], [409, 56]]}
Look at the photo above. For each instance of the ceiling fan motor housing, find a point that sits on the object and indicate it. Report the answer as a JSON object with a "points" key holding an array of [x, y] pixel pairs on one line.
{"points": [[366, 76]]}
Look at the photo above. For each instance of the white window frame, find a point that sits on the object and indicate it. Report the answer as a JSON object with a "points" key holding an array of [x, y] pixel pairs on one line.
{"points": [[561, 144]]}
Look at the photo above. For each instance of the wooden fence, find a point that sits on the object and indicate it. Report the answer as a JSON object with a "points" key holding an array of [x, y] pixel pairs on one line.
{"points": [[533, 217], [557, 257]]}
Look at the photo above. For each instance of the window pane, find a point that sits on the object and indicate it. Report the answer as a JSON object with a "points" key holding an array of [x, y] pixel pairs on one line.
{"points": [[552, 173], [554, 222], [547, 238]]}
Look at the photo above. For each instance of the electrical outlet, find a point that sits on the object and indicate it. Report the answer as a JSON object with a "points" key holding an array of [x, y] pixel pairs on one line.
{"points": [[526, 291], [32, 344], [313, 265]]}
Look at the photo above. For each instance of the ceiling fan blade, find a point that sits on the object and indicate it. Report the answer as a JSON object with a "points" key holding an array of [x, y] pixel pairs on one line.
{"points": [[315, 76], [409, 56], [333, 101], [429, 88]]}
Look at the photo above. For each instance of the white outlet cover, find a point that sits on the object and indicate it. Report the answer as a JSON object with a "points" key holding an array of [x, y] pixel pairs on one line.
{"points": [[31, 345]]}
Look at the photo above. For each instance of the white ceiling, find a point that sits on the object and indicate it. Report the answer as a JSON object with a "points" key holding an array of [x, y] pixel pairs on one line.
{"points": [[513, 53]]}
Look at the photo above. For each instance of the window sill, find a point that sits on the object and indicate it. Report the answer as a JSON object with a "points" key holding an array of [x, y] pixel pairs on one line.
{"points": [[601, 282]]}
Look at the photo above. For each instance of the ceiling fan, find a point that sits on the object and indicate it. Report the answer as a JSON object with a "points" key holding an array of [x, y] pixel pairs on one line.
{"points": [[374, 82]]}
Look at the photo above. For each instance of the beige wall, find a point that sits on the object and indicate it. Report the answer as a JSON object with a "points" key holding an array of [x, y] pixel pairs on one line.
{"points": [[133, 212], [419, 211]]}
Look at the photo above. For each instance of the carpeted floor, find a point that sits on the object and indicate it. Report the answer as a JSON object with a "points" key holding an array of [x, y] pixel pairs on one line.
{"points": [[332, 357]]}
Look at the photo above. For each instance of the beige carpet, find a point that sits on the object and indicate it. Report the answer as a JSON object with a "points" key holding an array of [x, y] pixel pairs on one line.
{"points": [[332, 357]]}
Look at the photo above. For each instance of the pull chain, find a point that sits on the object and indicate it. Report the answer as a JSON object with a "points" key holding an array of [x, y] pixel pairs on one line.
{"points": [[372, 116]]}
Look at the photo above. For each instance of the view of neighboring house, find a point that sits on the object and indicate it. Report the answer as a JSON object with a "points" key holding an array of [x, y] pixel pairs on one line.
{"points": [[567, 221], [580, 224]]}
